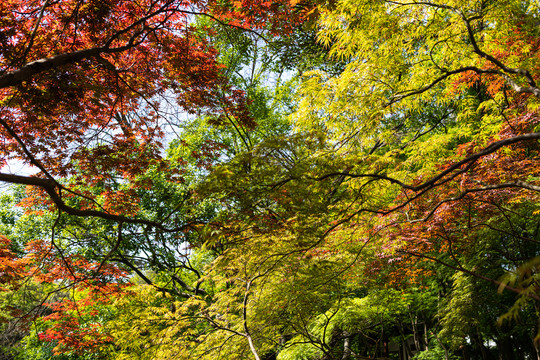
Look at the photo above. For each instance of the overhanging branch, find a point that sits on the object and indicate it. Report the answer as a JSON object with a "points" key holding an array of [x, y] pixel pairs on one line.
{"points": [[50, 187], [441, 178]]}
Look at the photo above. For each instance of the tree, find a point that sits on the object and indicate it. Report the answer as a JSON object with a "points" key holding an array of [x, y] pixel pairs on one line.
{"points": [[82, 85], [419, 152], [345, 213], [87, 90]]}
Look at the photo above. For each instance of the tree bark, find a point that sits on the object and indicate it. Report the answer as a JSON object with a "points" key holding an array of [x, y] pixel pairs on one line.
{"points": [[346, 345], [414, 324]]}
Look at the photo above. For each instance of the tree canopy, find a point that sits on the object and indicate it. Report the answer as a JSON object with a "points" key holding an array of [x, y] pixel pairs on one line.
{"points": [[270, 180]]}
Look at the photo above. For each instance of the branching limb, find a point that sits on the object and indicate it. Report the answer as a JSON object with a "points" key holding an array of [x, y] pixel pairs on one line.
{"points": [[472, 273], [245, 323], [34, 31], [454, 170], [51, 187]]}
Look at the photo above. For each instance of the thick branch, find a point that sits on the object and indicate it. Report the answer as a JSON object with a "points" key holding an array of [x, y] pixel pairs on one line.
{"points": [[446, 75], [50, 186], [15, 77], [532, 88], [515, 184], [246, 329], [472, 273], [440, 178]]}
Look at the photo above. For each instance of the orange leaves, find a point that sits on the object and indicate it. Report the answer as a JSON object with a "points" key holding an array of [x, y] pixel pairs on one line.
{"points": [[74, 326], [66, 111], [479, 202], [463, 81], [127, 159], [73, 337], [279, 17], [70, 321], [46, 263], [12, 269], [121, 202]]}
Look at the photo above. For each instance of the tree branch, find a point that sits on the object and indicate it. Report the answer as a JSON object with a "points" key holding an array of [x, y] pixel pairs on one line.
{"points": [[472, 273], [439, 179], [50, 187]]}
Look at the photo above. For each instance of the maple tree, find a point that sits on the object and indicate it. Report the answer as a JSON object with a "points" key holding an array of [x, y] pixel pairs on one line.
{"points": [[347, 179], [417, 151], [85, 88]]}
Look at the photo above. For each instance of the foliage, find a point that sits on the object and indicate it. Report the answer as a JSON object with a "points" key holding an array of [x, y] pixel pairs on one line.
{"points": [[270, 180]]}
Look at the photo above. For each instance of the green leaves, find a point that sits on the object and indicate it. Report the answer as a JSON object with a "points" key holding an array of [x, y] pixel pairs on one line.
{"points": [[369, 178]]}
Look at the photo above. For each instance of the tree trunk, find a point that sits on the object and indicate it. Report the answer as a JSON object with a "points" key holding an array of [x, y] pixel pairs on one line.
{"points": [[486, 354], [536, 348], [465, 351], [416, 335], [535, 342], [506, 350], [426, 339], [446, 354], [346, 345], [407, 353]]}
